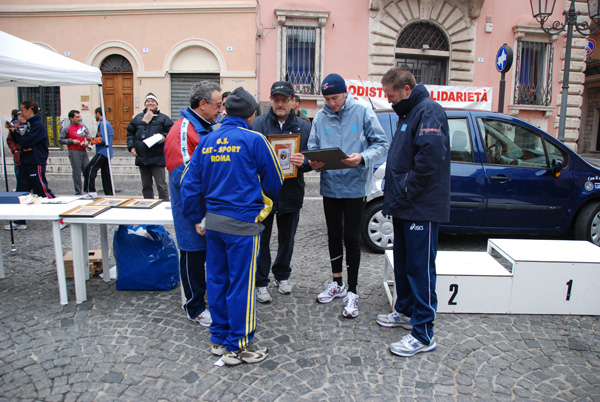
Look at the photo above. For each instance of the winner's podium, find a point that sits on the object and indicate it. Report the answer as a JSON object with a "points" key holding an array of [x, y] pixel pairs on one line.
{"points": [[544, 277]]}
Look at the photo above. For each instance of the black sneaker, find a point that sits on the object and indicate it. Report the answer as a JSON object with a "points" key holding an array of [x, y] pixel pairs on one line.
{"points": [[250, 354]]}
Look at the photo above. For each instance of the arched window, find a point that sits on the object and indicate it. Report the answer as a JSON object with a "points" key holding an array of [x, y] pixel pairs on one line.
{"points": [[116, 64], [424, 50]]}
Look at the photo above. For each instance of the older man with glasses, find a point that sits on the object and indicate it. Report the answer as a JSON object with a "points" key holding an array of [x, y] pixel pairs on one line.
{"points": [[196, 121]]}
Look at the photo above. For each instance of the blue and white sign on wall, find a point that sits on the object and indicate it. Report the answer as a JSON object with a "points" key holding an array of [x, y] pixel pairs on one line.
{"points": [[591, 46], [504, 58]]}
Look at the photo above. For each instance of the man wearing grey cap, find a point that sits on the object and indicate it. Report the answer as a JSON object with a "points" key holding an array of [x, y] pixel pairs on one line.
{"points": [[227, 190], [281, 120]]}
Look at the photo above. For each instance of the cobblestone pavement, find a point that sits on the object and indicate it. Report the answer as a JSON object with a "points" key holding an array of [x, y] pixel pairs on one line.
{"points": [[139, 346]]}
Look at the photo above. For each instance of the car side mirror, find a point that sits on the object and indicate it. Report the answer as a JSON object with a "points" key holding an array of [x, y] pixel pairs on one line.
{"points": [[557, 167]]}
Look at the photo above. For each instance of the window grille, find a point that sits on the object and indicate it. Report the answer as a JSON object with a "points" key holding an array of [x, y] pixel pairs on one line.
{"points": [[429, 71], [48, 100], [414, 36], [533, 73], [301, 61]]}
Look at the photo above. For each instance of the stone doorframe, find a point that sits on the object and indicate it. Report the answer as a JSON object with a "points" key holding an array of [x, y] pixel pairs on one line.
{"points": [[457, 19]]}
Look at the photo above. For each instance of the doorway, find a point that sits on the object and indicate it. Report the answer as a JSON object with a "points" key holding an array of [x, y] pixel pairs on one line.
{"points": [[117, 84]]}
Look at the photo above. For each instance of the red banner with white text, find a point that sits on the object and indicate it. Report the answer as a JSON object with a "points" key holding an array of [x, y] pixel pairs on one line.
{"points": [[451, 97]]}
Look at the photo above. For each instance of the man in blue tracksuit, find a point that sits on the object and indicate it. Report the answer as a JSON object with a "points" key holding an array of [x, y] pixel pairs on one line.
{"points": [[417, 196], [281, 120], [227, 189], [354, 128]]}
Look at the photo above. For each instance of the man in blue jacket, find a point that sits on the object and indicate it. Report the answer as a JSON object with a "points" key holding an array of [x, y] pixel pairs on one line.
{"points": [[104, 150], [227, 189], [417, 196], [354, 128], [281, 120]]}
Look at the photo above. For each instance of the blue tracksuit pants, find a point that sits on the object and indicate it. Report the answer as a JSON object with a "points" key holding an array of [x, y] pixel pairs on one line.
{"points": [[415, 249], [230, 286]]}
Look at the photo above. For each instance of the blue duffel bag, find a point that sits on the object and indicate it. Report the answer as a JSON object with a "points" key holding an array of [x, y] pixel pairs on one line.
{"points": [[146, 258]]}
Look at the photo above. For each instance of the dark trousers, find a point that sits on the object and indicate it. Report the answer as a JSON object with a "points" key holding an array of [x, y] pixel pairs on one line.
{"points": [[98, 162], [343, 217], [286, 227], [33, 178], [193, 280], [21, 222], [415, 249], [156, 173]]}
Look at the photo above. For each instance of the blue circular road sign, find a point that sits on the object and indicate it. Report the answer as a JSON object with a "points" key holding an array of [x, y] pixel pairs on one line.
{"points": [[504, 58]]}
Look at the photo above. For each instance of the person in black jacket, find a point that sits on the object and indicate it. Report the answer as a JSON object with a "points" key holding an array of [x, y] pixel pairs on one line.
{"points": [[150, 159], [281, 120], [417, 196], [33, 140]]}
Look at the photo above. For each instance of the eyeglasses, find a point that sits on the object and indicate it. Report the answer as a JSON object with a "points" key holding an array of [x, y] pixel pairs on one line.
{"points": [[281, 100], [218, 105]]}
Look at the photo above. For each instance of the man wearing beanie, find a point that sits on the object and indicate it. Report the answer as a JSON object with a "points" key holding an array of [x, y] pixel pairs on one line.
{"points": [[150, 155], [353, 127], [227, 190], [281, 120]]}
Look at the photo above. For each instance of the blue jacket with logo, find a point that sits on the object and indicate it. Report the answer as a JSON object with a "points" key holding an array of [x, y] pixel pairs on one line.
{"points": [[228, 173], [185, 229], [355, 128], [417, 174], [34, 142]]}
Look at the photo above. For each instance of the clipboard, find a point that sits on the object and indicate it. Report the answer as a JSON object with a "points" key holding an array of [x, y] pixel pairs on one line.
{"points": [[330, 156]]}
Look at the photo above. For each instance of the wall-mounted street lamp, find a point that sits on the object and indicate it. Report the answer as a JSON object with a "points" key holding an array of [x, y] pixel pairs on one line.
{"points": [[542, 10]]}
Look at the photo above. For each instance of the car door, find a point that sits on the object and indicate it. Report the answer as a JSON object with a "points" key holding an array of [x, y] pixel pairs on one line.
{"points": [[523, 192], [468, 183]]}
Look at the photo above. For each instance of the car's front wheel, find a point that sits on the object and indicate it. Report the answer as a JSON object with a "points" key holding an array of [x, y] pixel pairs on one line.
{"points": [[587, 225], [377, 231]]}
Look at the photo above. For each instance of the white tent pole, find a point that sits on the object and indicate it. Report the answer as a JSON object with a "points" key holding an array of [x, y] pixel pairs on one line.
{"points": [[108, 146]]}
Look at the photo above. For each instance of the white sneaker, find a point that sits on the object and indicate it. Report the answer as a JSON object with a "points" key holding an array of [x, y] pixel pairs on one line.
{"points": [[351, 305], [262, 294], [332, 291], [409, 346], [203, 319], [90, 195], [394, 319], [16, 226], [63, 224], [284, 286]]}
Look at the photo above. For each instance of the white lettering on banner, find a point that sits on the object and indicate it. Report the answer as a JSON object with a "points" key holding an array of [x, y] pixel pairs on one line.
{"points": [[451, 97]]}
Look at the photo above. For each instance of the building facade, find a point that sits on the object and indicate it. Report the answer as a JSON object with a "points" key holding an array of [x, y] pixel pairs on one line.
{"points": [[164, 46]]}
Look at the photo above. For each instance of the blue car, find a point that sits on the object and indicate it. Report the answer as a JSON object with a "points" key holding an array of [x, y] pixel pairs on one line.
{"points": [[508, 177]]}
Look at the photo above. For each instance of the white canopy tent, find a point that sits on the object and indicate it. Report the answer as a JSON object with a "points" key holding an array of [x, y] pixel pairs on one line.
{"points": [[26, 64]]}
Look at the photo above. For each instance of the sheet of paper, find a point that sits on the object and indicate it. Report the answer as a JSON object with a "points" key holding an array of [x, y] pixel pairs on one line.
{"points": [[151, 141], [61, 200]]}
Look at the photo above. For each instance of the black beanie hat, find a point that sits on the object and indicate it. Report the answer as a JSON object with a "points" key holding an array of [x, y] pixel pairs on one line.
{"points": [[240, 103], [333, 84]]}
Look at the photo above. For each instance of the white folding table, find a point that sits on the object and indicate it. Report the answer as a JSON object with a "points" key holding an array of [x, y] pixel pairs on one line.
{"points": [[43, 212], [159, 215]]}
